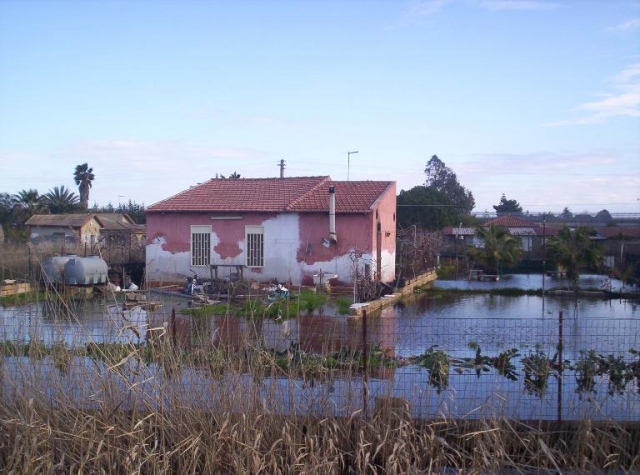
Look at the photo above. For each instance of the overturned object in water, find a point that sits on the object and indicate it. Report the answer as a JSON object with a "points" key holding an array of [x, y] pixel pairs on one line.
{"points": [[277, 292]]}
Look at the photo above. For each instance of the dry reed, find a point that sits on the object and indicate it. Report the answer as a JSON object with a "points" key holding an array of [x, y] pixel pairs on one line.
{"points": [[119, 414], [154, 408]]}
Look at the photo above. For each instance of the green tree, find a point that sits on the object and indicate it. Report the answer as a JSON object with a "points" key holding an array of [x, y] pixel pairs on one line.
{"points": [[507, 206], [26, 203], [83, 177], [61, 200], [134, 210], [443, 179], [547, 216], [574, 248], [233, 176], [566, 214], [425, 207], [604, 215], [499, 248], [6, 211], [6, 206]]}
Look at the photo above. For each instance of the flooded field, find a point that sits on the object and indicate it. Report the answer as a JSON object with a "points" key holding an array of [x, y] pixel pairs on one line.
{"points": [[461, 325]]}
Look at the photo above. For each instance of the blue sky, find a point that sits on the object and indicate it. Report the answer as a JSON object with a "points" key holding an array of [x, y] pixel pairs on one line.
{"points": [[536, 99]]}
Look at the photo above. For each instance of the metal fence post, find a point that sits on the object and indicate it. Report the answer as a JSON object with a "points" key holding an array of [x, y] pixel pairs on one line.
{"points": [[560, 368], [365, 361]]}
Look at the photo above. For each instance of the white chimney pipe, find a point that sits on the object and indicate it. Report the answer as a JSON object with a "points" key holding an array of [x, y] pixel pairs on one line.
{"points": [[332, 215]]}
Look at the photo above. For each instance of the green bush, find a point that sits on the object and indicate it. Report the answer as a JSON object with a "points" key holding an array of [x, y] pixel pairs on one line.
{"points": [[344, 305]]}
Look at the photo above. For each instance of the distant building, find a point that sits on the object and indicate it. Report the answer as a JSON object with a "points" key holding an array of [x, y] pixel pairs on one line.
{"points": [[120, 229], [74, 229], [89, 229]]}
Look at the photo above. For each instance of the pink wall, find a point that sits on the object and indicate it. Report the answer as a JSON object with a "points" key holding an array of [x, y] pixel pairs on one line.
{"points": [[175, 229], [386, 208], [354, 231]]}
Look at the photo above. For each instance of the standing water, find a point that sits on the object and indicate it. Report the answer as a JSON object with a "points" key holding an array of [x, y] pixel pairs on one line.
{"points": [[464, 328]]}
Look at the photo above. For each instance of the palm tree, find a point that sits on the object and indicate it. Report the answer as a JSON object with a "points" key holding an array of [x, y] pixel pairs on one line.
{"points": [[83, 176], [572, 248], [29, 200], [61, 200], [500, 248], [26, 203], [6, 205]]}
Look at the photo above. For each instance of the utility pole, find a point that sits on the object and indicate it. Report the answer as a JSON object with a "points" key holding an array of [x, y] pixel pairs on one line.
{"points": [[282, 167]]}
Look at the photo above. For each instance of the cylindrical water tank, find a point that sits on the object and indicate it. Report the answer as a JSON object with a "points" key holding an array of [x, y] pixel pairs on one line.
{"points": [[89, 270], [53, 268]]}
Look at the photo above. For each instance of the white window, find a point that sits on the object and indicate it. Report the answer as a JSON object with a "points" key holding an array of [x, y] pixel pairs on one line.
{"points": [[254, 237], [200, 245]]}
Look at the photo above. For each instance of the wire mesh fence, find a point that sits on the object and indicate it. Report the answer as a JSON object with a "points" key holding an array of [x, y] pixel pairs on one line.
{"points": [[466, 357]]}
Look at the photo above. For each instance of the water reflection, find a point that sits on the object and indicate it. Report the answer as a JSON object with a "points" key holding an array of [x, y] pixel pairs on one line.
{"points": [[534, 282], [75, 324], [451, 322], [322, 334]]}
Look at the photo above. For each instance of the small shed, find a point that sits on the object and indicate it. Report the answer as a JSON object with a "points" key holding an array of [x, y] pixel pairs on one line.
{"points": [[120, 229], [74, 229]]}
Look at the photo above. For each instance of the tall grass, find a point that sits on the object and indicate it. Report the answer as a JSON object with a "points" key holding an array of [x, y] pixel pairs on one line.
{"points": [[154, 409], [155, 405], [14, 261]]}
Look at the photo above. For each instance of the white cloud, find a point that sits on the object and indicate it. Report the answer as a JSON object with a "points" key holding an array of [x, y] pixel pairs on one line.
{"points": [[417, 10], [539, 163], [148, 171], [630, 75], [516, 5], [549, 181], [630, 24], [625, 102], [615, 105]]}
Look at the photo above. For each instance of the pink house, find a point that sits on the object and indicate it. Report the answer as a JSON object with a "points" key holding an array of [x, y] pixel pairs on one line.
{"points": [[288, 229]]}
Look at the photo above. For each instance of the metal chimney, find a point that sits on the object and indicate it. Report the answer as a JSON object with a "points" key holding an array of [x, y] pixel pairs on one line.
{"points": [[332, 215]]}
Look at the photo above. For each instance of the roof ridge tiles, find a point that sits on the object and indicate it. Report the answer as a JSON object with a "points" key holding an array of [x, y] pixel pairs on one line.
{"points": [[272, 195], [291, 205]]}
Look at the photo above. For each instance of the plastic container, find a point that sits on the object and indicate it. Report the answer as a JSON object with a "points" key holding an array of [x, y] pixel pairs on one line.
{"points": [[89, 270], [53, 268]]}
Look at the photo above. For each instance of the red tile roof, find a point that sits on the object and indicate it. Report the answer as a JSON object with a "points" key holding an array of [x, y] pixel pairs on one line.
{"points": [[511, 222], [613, 232], [547, 231], [297, 194]]}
